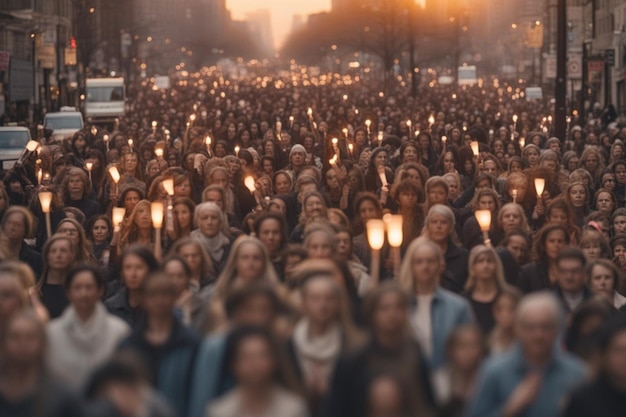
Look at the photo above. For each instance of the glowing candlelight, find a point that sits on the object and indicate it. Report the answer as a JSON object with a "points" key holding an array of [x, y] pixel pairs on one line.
{"points": [[118, 217], [237, 151], [394, 229], [522, 142], [540, 185], [106, 141], [345, 132], [290, 122], [431, 121], [115, 174], [157, 210], [39, 176], [514, 194], [376, 233], [380, 138], [32, 145], [483, 217], [130, 143], [444, 139], [154, 126], [250, 183], [368, 123], [158, 152], [45, 199], [168, 186], [475, 148], [351, 149], [309, 113], [515, 118]]}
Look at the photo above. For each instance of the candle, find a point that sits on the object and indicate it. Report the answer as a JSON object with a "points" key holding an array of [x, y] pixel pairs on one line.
{"points": [[309, 113], [483, 217], [394, 229], [94, 131], [207, 140], [39, 176], [376, 233], [237, 151], [431, 121], [290, 122], [192, 118], [515, 118], [333, 161], [106, 141], [115, 176], [475, 148], [32, 145], [89, 167], [154, 126], [118, 217], [444, 139], [514, 194], [130, 143], [168, 186], [250, 183], [158, 152], [368, 123], [351, 149], [279, 127], [157, 210], [345, 132], [540, 185], [522, 142], [380, 138], [410, 125], [335, 141], [45, 199]]}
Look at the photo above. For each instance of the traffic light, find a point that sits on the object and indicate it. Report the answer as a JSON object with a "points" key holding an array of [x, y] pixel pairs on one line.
{"points": [[73, 42]]}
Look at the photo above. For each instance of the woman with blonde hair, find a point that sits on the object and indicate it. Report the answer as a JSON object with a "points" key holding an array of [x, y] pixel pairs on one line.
{"points": [[437, 312], [248, 262], [198, 260], [136, 229], [510, 217], [484, 283], [313, 208], [212, 232], [72, 229], [77, 190], [27, 281]]}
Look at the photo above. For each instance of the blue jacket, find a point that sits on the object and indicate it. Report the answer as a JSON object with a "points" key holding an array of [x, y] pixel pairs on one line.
{"points": [[206, 374], [448, 311], [502, 374]]}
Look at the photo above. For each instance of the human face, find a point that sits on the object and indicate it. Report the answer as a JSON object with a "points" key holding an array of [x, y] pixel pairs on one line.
{"points": [[298, 158], [75, 186], [176, 272], [449, 165], [277, 205], [313, 207], [249, 263], [555, 241], [270, 236], [192, 255], [615, 358], [84, 293], [331, 179], [380, 160], [23, 343], [61, 255], [592, 251], [537, 331], [619, 225], [10, 300], [100, 231], [426, 266], [131, 162], [143, 217], [183, 189], [602, 282], [511, 219], [159, 298], [320, 301], [130, 200], [578, 195], [319, 246], [591, 163], [617, 152], [518, 246], [407, 199], [558, 216], [485, 267], [608, 182], [282, 184], [220, 178], [344, 245], [604, 203], [504, 312], [437, 195], [572, 164], [490, 167], [453, 187], [214, 196], [390, 315], [15, 227], [549, 165], [182, 215], [209, 223], [368, 211], [620, 174], [439, 228], [571, 276], [254, 363], [467, 353], [532, 156], [134, 272], [486, 203], [268, 168], [410, 154]]}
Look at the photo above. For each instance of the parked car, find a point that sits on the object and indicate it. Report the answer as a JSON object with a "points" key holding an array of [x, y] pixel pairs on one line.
{"points": [[13, 140]]}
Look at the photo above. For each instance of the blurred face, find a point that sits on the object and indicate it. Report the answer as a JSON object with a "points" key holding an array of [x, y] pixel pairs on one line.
{"points": [[608, 182], [282, 184], [15, 227], [380, 160], [620, 174], [84, 293], [143, 217], [615, 358], [619, 225], [75, 186], [410, 154], [602, 282], [298, 158], [130, 200], [490, 167], [591, 163], [270, 235], [319, 246], [344, 245], [485, 267], [592, 251], [533, 157], [439, 228], [192, 255], [537, 331], [100, 231], [486, 203], [60, 255], [220, 178], [277, 205], [313, 207], [407, 199], [467, 353], [254, 363], [390, 315], [578, 196], [209, 223], [368, 211], [158, 298], [10, 300], [182, 215], [23, 342], [131, 162], [183, 189], [426, 266], [572, 164], [250, 263], [558, 216], [604, 203], [320, 300], [555, 241], [571, 275], [453, 188], [504, 312], [134, 272], [331, 179], [511, 219], [268, 168], [437, 195], [518, 247], [176, 273], [214, 196]]}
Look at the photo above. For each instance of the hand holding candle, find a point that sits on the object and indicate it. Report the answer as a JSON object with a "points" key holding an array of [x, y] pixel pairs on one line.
{"points": [[540, 184], [483, 217], [118, 218], [45, 199]]}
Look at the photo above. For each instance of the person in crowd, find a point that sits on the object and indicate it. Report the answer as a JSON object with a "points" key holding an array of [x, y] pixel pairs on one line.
{"points": [[535, 377], [190, 307], [571, 284], [212, 232], [583, 324], [73, 229], [86, 335], [99, 232], [605, 280], [59, 257], [271, 230], [77, 192], [542, 273], [18, 224], [502, 336], [199, 263]]}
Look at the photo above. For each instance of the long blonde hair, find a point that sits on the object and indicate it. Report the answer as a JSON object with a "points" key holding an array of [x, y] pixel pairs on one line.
{"points": [[447, 213], [130, 231], [406, 278], [226, 279], [476, 253]]}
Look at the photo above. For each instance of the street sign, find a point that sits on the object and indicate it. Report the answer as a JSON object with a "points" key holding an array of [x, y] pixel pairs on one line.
{"points": [[70, 56], [595, 65], [47, 57], [575, 67], [609, 56]]}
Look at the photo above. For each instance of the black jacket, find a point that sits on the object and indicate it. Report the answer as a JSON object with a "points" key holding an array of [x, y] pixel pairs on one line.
{"points": [[456, 272], [599, 398], [118, 305], [32, 258], [534, 277]]}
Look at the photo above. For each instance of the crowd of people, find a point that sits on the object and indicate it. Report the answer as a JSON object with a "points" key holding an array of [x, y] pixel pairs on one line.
{"points": [[210, 254]]}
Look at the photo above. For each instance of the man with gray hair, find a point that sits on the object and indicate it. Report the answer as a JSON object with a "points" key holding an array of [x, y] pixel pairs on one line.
{"points": [[534, 377]]}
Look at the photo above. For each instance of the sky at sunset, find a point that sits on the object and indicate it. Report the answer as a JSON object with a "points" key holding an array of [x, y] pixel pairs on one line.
{"points": [[282, 12]]}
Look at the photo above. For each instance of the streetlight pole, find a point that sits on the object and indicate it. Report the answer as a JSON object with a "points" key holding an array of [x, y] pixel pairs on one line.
{"points": [[560, 90]]}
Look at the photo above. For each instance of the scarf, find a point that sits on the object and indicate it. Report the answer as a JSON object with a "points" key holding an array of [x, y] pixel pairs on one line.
{"points": [[317, 356], [214, 245], [86, 336]]}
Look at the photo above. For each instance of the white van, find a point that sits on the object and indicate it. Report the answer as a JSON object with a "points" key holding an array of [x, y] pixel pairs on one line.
{"points": [[64, 123], [13, 140], [105, 99]]}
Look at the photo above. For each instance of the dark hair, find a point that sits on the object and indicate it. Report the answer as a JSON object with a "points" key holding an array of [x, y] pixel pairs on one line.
{"points": [[96, 272], [539, 244], [408, 186], [373, 299], [124, 368], [92, 221], [143, 252], [238, 297], [572, 252], [575, 342], [284, 237], [181, 260]]}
